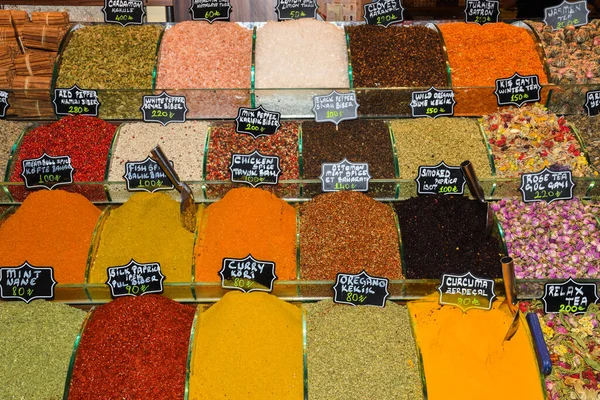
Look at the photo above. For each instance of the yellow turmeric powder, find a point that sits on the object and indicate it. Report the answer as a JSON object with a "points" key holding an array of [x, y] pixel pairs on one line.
{"points": [[248, 346], [465, 357]]}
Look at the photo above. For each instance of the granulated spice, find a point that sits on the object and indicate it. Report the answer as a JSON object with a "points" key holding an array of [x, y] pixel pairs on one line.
{"points": [[36, 341], [446, 235], [361, 353], [133, 348], [248, 346], [348, 232], [9, 133], [589, 129], [394, 57]]}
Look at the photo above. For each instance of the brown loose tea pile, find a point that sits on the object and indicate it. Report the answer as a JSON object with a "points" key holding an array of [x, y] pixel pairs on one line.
{"points": [[361, 353], [348, 232], [446, 234], [589, 130], [394, 57]]}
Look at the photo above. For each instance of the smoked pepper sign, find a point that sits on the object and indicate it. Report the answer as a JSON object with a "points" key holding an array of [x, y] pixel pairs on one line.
{"points": [[360, 290], [547, 185], [27, 283], [466, 291], [440, 179], [247, 274], [570, 297]]}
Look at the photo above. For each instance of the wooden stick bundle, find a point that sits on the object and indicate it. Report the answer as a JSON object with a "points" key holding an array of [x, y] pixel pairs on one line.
{"points": [[42, 37], [32, 87], [5, 18], [34, 63], [30, 108], [50, 18], [8, 36]]}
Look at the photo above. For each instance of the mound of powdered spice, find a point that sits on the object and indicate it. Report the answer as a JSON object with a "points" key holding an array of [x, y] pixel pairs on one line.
{"points": [[348, 232], [51, 228], [133, 348]]}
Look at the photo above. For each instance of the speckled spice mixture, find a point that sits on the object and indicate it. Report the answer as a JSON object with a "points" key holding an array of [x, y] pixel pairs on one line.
{"points": [[589, 130], [9, 133]]}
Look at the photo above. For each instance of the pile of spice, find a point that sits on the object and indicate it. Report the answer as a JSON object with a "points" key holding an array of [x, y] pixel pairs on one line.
{"points": [[146, 228], [530, 138], [196, 55], [303, 53], [36, 342], [133, 348], [112, 57], [392, 58], [446, 235], [573, 59], [554, 240], [9, 133], [183, 144], [589, 131], [247, 221], [574, 345], [361, 352], [86, 140], [465, 356], [52, 228], [348, 232], [478, 57], [359, 141], [270, 338]]}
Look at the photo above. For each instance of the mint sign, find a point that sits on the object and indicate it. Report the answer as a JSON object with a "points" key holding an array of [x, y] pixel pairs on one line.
{"points": [[383, 12], [124, 12], [210, 10], [482, 11], [296, 9], [27, 283], [247, 274]]}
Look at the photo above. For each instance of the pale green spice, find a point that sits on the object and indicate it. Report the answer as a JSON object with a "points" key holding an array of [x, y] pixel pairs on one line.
{"points": [[36, 341], [361, 352]]}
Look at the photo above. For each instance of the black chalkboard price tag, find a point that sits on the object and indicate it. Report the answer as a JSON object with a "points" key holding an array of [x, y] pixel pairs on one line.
{"points": [[296, 9], [547, 186], [592, 103], [257, 122], [335, 107], [566, 13], [345, 175], [383, 12], [124, 12], [164, 108], [482, 11], [255, 169], [518, 90], [360, 289], [135, 279], [247, 274], [210, 10], [466, 291], [76, 101], [146, 176], [569, 297], [26, 283], [440, 179], [432, 103], [3, 104], [47, 171]]}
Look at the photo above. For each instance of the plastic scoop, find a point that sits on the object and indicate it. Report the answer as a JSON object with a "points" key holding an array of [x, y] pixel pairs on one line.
{"points": [[476, 190], [187, 206], [508, 274]]}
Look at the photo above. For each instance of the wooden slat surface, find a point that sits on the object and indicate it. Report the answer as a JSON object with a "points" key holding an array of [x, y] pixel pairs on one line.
{"points": [[76, 2]]}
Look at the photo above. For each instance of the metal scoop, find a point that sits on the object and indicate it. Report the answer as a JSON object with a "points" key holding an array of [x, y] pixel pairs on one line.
{"points": [[475, 187], [508, 274], [187, 207]]}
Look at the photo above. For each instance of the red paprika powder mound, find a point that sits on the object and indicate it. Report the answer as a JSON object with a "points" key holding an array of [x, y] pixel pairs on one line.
{"points": [[133, 348]]}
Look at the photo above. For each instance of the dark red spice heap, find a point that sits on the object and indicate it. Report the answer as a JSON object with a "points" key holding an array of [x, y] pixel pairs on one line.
{"points": [[134, 348], [446, 235]]}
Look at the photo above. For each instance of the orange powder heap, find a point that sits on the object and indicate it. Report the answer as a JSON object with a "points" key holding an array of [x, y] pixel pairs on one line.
{"points": [[247, 221], [52, 228]]}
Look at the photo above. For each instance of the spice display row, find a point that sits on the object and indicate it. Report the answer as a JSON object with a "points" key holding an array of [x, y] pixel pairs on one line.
{"points": [[153, 347], [501, 146], [223, 66]]}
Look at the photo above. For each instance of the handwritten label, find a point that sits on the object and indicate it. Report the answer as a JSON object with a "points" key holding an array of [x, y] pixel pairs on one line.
{"points": [[569, 297], [164, 108], [76, 101], [518, 90], [345, 175], [47, 171], [440, 179], [566, 14], [296, 9], [432, 103], [547, 186], [255, 169], [360, 289], [135, 279], [482, 11], [3, 104], [27, 283], [257, 122], [146, 176], [210, 10], [467, 291], [124, 12], [383, 12], [247, 274], [335, 107], [592, 103]]}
